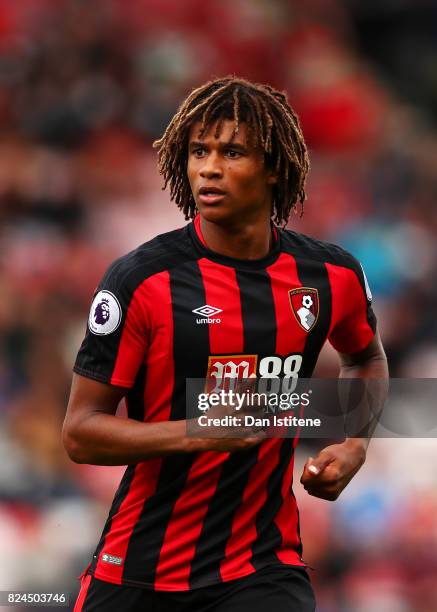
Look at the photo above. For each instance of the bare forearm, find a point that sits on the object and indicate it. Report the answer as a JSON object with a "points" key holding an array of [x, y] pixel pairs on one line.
{"points": [[362, 418], [93, 434], [362, 402], [104, 439]]}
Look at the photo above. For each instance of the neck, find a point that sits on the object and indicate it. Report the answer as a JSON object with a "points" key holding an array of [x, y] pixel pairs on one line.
{"points": [[245, 241]]}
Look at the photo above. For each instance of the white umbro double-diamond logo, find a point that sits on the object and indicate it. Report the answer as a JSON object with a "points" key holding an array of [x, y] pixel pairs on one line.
{"points": [[207, 311], [207, 314]]}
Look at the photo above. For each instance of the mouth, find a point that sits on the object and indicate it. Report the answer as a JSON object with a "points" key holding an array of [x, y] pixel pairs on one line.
{"points": [[211, 195]]}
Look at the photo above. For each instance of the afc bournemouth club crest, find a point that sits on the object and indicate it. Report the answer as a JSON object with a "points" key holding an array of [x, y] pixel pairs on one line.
{"points": [[304, 303]]}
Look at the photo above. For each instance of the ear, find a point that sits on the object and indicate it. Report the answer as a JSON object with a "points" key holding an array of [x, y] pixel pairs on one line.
{"points": [[272, 179]]}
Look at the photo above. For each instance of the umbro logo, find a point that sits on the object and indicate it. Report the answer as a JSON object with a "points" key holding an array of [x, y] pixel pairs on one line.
{"points": [[207, 311], [207, 314]]}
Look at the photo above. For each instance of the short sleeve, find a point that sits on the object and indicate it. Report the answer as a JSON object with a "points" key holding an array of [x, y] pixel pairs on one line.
{"points": [[116, 339], [354, 322]]}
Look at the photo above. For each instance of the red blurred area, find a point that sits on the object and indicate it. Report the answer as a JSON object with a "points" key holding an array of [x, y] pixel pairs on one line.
{"points": [[85, 88]]}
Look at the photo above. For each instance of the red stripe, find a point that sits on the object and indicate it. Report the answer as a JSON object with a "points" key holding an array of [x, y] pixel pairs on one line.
{"points": [[136, 345], [238, 553], [199, 230], [186, 522], [287, 521], [133, 341], [158, 392], [287, 518], [222, 291], [117, 539], [84, 586], [349, 311], [290, 338]]}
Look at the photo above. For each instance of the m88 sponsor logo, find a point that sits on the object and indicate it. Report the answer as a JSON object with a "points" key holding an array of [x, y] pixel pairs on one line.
{"points": [[275, 373]]}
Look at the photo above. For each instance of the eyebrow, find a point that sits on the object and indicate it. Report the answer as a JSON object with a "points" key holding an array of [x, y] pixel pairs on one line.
{"points": [[194, 144]]}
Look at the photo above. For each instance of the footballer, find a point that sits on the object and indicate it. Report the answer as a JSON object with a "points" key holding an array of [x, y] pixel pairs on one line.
{"points": [[211, 524]]}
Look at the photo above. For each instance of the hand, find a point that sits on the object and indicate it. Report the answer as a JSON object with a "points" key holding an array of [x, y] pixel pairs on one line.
{"points": [[233, 434], [226, 437], [334, 467]]}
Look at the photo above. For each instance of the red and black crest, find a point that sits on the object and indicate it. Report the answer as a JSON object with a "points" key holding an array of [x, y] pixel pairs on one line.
{"points": [[304, 303]]}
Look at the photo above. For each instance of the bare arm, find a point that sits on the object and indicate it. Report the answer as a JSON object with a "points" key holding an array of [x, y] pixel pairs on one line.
{"points": [[329, 473], [369, 364], [93, 434]]}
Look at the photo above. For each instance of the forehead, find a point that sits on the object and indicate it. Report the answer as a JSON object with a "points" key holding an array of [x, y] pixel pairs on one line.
{"points": [[225, 135]]}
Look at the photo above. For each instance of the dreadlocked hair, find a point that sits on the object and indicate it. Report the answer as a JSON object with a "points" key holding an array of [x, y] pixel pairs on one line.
{"points": [[272, 125]]}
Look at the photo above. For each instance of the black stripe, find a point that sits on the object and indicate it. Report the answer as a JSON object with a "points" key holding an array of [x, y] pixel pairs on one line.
{"points": [[135, 396], [299, 549], [269, 536], [191, 350], [259, 327], [217, 526], [258, 312], [314, 274], [120, 495]]}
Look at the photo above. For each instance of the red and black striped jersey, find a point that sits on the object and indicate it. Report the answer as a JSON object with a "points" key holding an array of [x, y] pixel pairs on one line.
{"points": [[173, 309]]}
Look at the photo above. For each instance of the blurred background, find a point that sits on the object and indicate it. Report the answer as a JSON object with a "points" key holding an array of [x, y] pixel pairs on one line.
{"points": [[85, 87]]}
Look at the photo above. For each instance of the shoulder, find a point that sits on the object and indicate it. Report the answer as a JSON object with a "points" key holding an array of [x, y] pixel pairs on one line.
{"points": [[306, 247], [160, 254], [311, 249]]}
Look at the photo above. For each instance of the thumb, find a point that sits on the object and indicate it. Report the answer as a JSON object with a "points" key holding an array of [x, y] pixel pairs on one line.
{"points": [[317, 465]]}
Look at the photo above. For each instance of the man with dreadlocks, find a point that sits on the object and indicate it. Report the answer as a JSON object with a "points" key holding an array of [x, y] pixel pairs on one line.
{"points": [[211, 523]]}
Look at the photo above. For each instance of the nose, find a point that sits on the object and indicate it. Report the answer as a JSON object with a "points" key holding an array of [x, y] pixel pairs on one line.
{"points": [[211, 167]]}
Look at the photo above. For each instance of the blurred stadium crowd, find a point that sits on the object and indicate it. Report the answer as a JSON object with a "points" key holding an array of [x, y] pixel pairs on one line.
{"points": [[85, 87]]}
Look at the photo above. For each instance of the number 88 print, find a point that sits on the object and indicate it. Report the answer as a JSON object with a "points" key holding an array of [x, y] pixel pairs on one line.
{"points": [[223, 369]]}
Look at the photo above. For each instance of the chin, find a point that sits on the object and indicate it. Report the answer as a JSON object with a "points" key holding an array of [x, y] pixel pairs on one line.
{"points": [[216, 214]]}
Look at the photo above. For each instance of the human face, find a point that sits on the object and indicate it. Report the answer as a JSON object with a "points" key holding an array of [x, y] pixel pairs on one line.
{"points": [[228, 177]]}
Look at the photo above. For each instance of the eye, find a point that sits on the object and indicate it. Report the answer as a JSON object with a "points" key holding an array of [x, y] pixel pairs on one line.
{"points": [[198, 151], [233, 154]]}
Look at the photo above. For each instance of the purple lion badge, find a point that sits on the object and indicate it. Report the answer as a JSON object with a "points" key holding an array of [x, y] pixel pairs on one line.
{"points": [[101, 312]]}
